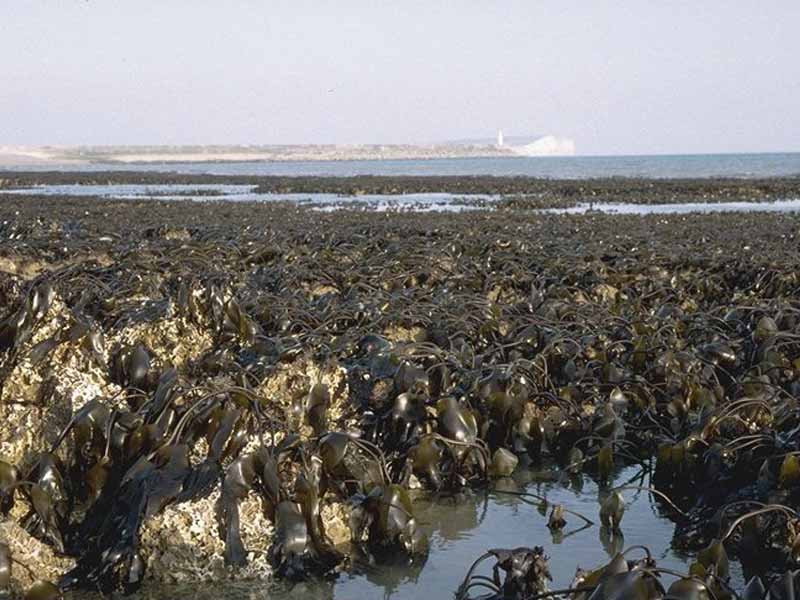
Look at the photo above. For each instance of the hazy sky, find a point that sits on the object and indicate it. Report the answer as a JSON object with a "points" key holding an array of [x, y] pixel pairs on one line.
{"points": [[637, 76]]}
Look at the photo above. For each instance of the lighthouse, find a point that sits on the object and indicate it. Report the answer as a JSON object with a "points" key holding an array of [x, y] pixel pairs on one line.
{"points": [[499, 138]]}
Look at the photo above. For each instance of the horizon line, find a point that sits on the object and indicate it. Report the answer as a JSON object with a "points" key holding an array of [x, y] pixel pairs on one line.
{"points": [[5, 148]]}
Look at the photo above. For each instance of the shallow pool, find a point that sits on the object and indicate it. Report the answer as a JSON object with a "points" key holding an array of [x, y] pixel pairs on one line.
{"points": [[463, 527]]}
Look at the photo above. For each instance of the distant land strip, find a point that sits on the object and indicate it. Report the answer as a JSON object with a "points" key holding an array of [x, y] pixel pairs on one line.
{"points": [[23, 155]]}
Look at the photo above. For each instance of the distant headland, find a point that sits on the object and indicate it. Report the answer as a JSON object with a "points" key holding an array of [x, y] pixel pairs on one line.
{"points": [[501, 147]]}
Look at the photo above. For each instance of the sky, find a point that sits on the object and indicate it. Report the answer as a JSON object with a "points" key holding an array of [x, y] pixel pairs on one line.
{"points": [[617, 77]]}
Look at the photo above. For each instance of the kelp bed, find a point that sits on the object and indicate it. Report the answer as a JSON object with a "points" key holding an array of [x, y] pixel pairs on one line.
{"points": [[201, 392]]}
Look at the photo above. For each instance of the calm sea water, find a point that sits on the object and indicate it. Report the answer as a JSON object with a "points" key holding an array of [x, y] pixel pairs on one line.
{"points": [[578, 167]]}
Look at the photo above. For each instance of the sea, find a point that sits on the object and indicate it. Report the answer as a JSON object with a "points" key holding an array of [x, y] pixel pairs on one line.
{"points": [[572, 167]]}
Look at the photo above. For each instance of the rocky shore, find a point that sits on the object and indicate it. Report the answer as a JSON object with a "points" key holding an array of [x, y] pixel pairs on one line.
{"points": [[197, 341]]}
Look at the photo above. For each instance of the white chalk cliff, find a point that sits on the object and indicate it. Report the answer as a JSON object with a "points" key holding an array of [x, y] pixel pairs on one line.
{"points": [[548, 145]]}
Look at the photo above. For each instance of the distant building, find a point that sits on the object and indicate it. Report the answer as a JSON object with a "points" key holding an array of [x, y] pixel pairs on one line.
{"points": [[499, 138]]}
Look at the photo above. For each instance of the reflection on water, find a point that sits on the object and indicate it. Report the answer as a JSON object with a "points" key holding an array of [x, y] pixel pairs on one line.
{"points": [[463, 527], [613, 542]]}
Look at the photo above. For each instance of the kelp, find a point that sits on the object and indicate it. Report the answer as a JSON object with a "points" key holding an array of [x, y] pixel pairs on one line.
{"points": [[464, 346]]}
